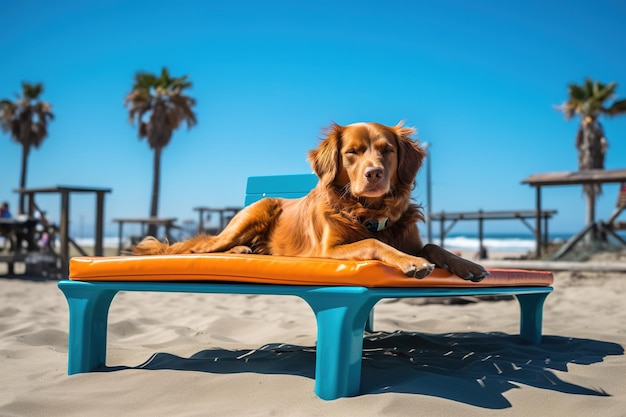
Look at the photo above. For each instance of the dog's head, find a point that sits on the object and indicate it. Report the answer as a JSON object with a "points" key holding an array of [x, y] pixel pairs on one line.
{"points": [[370, 158]]}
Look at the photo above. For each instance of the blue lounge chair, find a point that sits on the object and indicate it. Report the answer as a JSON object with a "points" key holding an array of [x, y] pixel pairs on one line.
{"points": [[342, 294]]}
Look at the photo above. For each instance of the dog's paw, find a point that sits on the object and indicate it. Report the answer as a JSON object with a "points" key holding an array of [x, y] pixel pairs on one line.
{"points": [[468, 270], [458, 266], [418, 270]]}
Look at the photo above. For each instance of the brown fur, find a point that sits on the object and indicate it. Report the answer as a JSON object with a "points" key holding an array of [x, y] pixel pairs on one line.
{"points": [[366, 171]]}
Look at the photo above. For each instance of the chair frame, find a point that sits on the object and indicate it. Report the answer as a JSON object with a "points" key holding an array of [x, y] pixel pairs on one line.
{"points": [[342, 313]]}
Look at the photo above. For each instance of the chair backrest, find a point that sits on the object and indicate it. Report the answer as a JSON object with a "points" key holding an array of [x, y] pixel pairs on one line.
{"points": [[286, 186]]}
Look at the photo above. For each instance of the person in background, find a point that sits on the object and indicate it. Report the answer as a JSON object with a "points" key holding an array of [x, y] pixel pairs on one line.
{"points": [[5, 234], [4, 211], [482, 253]]}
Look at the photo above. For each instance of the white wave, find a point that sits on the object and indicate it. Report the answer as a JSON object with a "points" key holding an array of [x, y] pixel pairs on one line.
{"points": [[457, 243], [108, 242], [494, 244]]}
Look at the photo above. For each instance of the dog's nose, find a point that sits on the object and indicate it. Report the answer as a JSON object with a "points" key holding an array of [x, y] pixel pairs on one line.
{"points": [[373, 174]]}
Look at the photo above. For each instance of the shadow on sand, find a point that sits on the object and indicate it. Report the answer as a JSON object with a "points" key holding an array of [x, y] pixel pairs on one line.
{"points": [[472, 368]]}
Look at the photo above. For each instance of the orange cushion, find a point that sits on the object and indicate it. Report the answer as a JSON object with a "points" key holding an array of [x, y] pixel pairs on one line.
{"points": [[280, 270]]}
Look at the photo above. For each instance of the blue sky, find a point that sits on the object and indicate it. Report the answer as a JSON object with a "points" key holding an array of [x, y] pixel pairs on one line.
{"points": [[477, 79]]}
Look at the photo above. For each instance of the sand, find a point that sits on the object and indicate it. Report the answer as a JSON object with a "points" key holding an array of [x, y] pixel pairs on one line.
{"points": [[235, 355]]}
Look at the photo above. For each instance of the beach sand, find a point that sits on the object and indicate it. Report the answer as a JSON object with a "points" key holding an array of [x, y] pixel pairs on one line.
{"points": [[236, 355]]}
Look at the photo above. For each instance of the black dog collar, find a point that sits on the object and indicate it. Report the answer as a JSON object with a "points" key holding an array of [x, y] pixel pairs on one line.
{"points": [[376, 225]]}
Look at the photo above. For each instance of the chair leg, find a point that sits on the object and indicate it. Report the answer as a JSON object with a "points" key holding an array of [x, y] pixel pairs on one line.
{"points": [[341, 321], [369, 324], [89, 309], [531, 318]]}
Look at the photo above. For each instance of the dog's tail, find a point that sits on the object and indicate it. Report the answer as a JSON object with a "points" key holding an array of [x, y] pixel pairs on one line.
{"points": [[198, 244], [151, 246]]}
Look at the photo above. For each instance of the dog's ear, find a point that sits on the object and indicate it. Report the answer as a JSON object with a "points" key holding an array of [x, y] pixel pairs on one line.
{"points": [[410, 154], [325, 159]]}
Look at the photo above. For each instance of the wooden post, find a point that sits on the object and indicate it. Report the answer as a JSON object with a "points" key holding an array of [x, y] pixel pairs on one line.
{"points": [[64, 228], [119, 237], [591, 218], [200, 221], [546, 236], [538, 223], [98, 244], [442, 233], [480, 230], [31, 204], [222, 222]]}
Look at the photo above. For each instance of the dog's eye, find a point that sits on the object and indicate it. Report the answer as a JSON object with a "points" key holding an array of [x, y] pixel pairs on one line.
{"points": [[351, 152], [388, 150]]}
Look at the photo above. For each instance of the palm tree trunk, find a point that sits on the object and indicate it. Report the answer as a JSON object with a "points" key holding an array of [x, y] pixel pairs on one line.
{"points": [[156, 180], [25, 151], [591, 146], [591, 217]]}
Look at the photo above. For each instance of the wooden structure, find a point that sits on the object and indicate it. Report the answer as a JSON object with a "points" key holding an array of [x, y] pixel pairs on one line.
{"points": [[166, 222], [620, 207], [225, 214], [64, 222], [481, 216], [591, 176]]}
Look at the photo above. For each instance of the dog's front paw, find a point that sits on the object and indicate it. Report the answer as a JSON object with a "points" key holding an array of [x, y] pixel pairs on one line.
{"points": [[467, 270], [418, 268], [460, 267]]}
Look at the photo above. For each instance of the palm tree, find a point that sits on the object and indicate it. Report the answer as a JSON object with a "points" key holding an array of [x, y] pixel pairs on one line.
{"points": [[26, 120], [590, 101], [159, 107]]}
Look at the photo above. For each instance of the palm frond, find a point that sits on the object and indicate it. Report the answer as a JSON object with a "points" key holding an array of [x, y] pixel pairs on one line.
{"points": [[31, 91], [605, 92], [164, 79], [144, 81], [577, 92], [6, 103], [588, 87], [159, 106], [618, 107]]}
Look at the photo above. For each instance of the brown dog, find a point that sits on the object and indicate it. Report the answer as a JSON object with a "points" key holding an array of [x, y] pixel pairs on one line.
{"points": [[360, 209]]}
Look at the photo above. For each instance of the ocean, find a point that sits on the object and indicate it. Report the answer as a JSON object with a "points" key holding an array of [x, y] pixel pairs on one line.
{"points": [[498, 242], [501, 242]]}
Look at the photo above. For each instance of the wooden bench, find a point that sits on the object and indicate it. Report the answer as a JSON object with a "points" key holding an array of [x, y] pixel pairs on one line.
{"points": [[341, 294]]}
